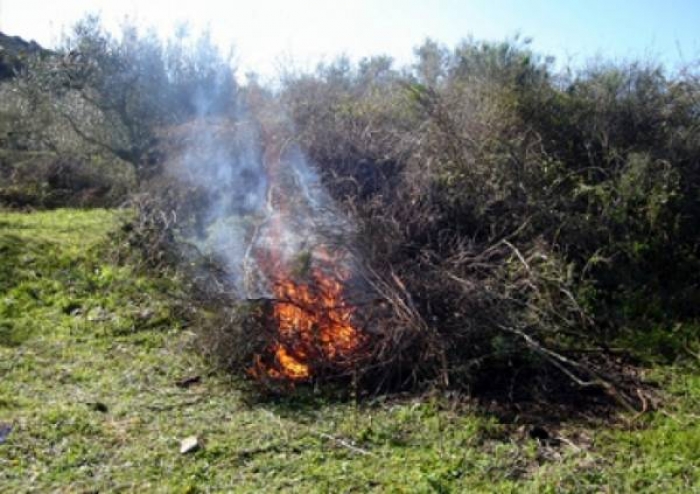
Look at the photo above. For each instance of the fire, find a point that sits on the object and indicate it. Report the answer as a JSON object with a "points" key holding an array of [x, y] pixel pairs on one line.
{"points": [[312, 321], [292, 368], [314, 325]]}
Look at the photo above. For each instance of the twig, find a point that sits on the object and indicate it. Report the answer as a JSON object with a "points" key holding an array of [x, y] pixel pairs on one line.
{"points": [[569, 443], [165, 408], [691, 353], [337, 440], [343, 443], [519, 254], [645, 405], [560, 362]]}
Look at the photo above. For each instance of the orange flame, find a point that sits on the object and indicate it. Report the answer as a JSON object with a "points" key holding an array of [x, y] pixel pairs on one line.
{"points": [[291, 367], [314, 324], [312, 320]]}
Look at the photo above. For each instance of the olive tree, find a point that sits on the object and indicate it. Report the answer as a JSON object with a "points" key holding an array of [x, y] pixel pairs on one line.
{"points": [[114, 92]]}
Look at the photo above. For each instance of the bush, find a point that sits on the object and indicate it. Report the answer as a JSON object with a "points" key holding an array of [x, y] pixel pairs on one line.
{"points": [[514, 211], [45, 180], [112, 94], [507, 220]]}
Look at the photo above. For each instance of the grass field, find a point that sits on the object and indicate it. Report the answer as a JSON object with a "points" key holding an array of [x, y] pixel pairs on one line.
{"points": [[92, 399]]}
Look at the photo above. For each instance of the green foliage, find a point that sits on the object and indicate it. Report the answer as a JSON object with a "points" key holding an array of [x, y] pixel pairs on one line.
{"points": [[627, 186], [92, 399], [112, 94], [40, 279], [45, 179], [501, 198], [596, 171]]}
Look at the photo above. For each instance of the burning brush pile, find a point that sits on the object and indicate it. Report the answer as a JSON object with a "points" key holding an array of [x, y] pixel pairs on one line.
{"points": [[290, 290], [269, 254], [313, 328]]}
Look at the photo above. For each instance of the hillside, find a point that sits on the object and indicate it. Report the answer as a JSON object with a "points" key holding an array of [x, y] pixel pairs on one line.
{"points": [[13, 51], [99, 384]]}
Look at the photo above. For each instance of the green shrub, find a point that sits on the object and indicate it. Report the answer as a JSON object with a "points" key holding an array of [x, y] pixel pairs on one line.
{"points": [[510, 200]]}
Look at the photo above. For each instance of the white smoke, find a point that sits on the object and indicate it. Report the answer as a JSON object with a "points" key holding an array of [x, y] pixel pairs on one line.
{"points": [[264, 200]]}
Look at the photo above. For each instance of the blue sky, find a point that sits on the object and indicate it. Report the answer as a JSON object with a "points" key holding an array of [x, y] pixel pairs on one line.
{"points": [[267, 33]]}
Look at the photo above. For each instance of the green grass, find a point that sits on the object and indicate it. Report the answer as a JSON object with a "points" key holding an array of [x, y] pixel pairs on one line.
{"points": [[91, 352]]}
